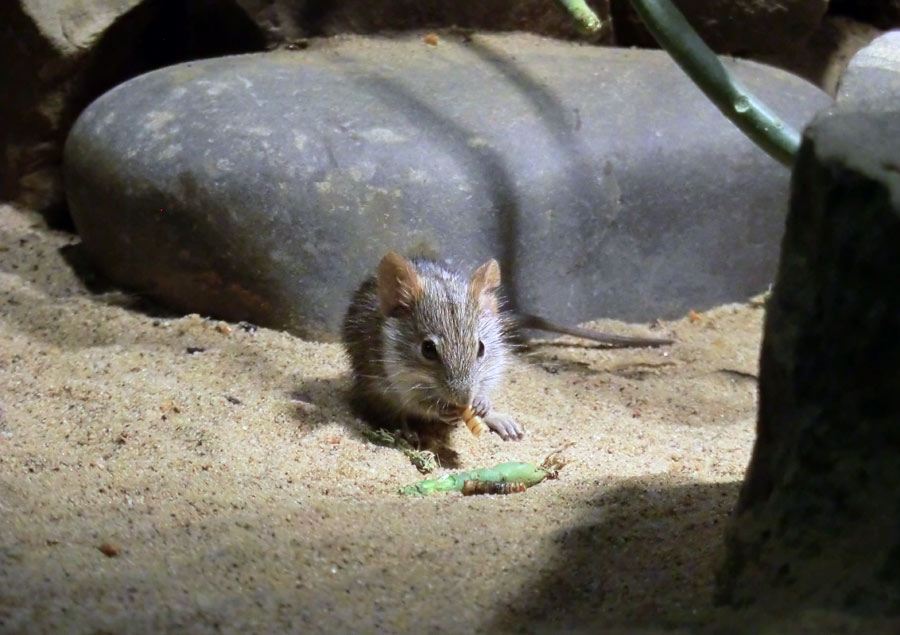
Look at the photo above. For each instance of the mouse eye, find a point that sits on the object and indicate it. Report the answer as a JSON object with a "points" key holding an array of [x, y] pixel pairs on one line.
{"points": [[480, 348], [429, 350]]}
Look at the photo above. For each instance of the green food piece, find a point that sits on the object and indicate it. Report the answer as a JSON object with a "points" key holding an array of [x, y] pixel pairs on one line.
{"points": [[424, 460], [527, 473]]}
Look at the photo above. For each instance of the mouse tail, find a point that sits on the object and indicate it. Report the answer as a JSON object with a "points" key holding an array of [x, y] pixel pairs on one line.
{"points": [[528, 321]]}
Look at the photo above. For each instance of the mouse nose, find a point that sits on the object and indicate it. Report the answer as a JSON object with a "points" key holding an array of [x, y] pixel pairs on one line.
{"points": [[459, 392]]}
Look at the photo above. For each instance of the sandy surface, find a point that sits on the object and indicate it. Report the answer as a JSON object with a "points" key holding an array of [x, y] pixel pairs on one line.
{"points": [[224, 475]]}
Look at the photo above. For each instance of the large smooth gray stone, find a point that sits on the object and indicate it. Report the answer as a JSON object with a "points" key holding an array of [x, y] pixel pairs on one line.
{"points": [[265, 187]]}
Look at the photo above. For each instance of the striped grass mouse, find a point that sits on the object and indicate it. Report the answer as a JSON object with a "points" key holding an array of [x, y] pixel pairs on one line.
{"points": [[425, 342]]}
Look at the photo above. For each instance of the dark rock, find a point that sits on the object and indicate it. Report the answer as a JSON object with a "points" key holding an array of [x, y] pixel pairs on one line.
{"points": [[884, 14], [871, 80], [822, 57], [289, 20], [58, 56], [266, 187], [816, 523], [741, 27]]}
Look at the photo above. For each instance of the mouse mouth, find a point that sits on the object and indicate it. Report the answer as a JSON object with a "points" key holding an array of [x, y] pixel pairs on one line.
{"points": [[434, 404], [452, 413], [442, 408]]}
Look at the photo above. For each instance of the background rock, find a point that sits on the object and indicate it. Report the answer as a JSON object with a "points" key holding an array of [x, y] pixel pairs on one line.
{"points": [[815, 525], [822, 57], [872, 78], [738, 27], [816, 522], [884, 14], [267, 187], [59, 56], [288, 20]]}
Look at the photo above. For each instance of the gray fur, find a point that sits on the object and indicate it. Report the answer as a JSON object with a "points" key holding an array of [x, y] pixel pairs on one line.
{"points": [[393, 381]]}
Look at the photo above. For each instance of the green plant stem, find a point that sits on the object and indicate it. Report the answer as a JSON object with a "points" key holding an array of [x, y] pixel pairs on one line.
{"points": [[675, 35], [587, 19]]}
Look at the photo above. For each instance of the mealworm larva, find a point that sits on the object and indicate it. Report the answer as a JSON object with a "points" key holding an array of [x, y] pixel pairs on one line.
{"points": [[475, 423], [473, 488]]}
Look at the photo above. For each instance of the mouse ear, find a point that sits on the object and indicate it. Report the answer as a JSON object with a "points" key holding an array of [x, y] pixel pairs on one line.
{"points": [[398, 284], [484, 283]]}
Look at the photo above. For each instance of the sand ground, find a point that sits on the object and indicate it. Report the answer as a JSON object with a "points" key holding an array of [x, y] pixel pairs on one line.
{"points": [[163, 473]]}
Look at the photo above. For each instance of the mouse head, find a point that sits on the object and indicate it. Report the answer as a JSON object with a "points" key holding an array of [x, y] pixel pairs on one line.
{"points": [[400, 286], [443, 331]]}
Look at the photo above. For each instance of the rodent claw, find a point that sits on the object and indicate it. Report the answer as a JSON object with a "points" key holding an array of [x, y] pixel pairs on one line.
{"points": [[505, 426]]}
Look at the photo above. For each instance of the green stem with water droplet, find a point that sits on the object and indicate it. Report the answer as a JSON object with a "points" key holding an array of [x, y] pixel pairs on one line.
{"points": [[676, 36]]}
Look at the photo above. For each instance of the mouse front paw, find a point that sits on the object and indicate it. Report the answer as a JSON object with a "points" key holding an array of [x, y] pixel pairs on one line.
{"points": [[504, 425], [481, 406]]}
